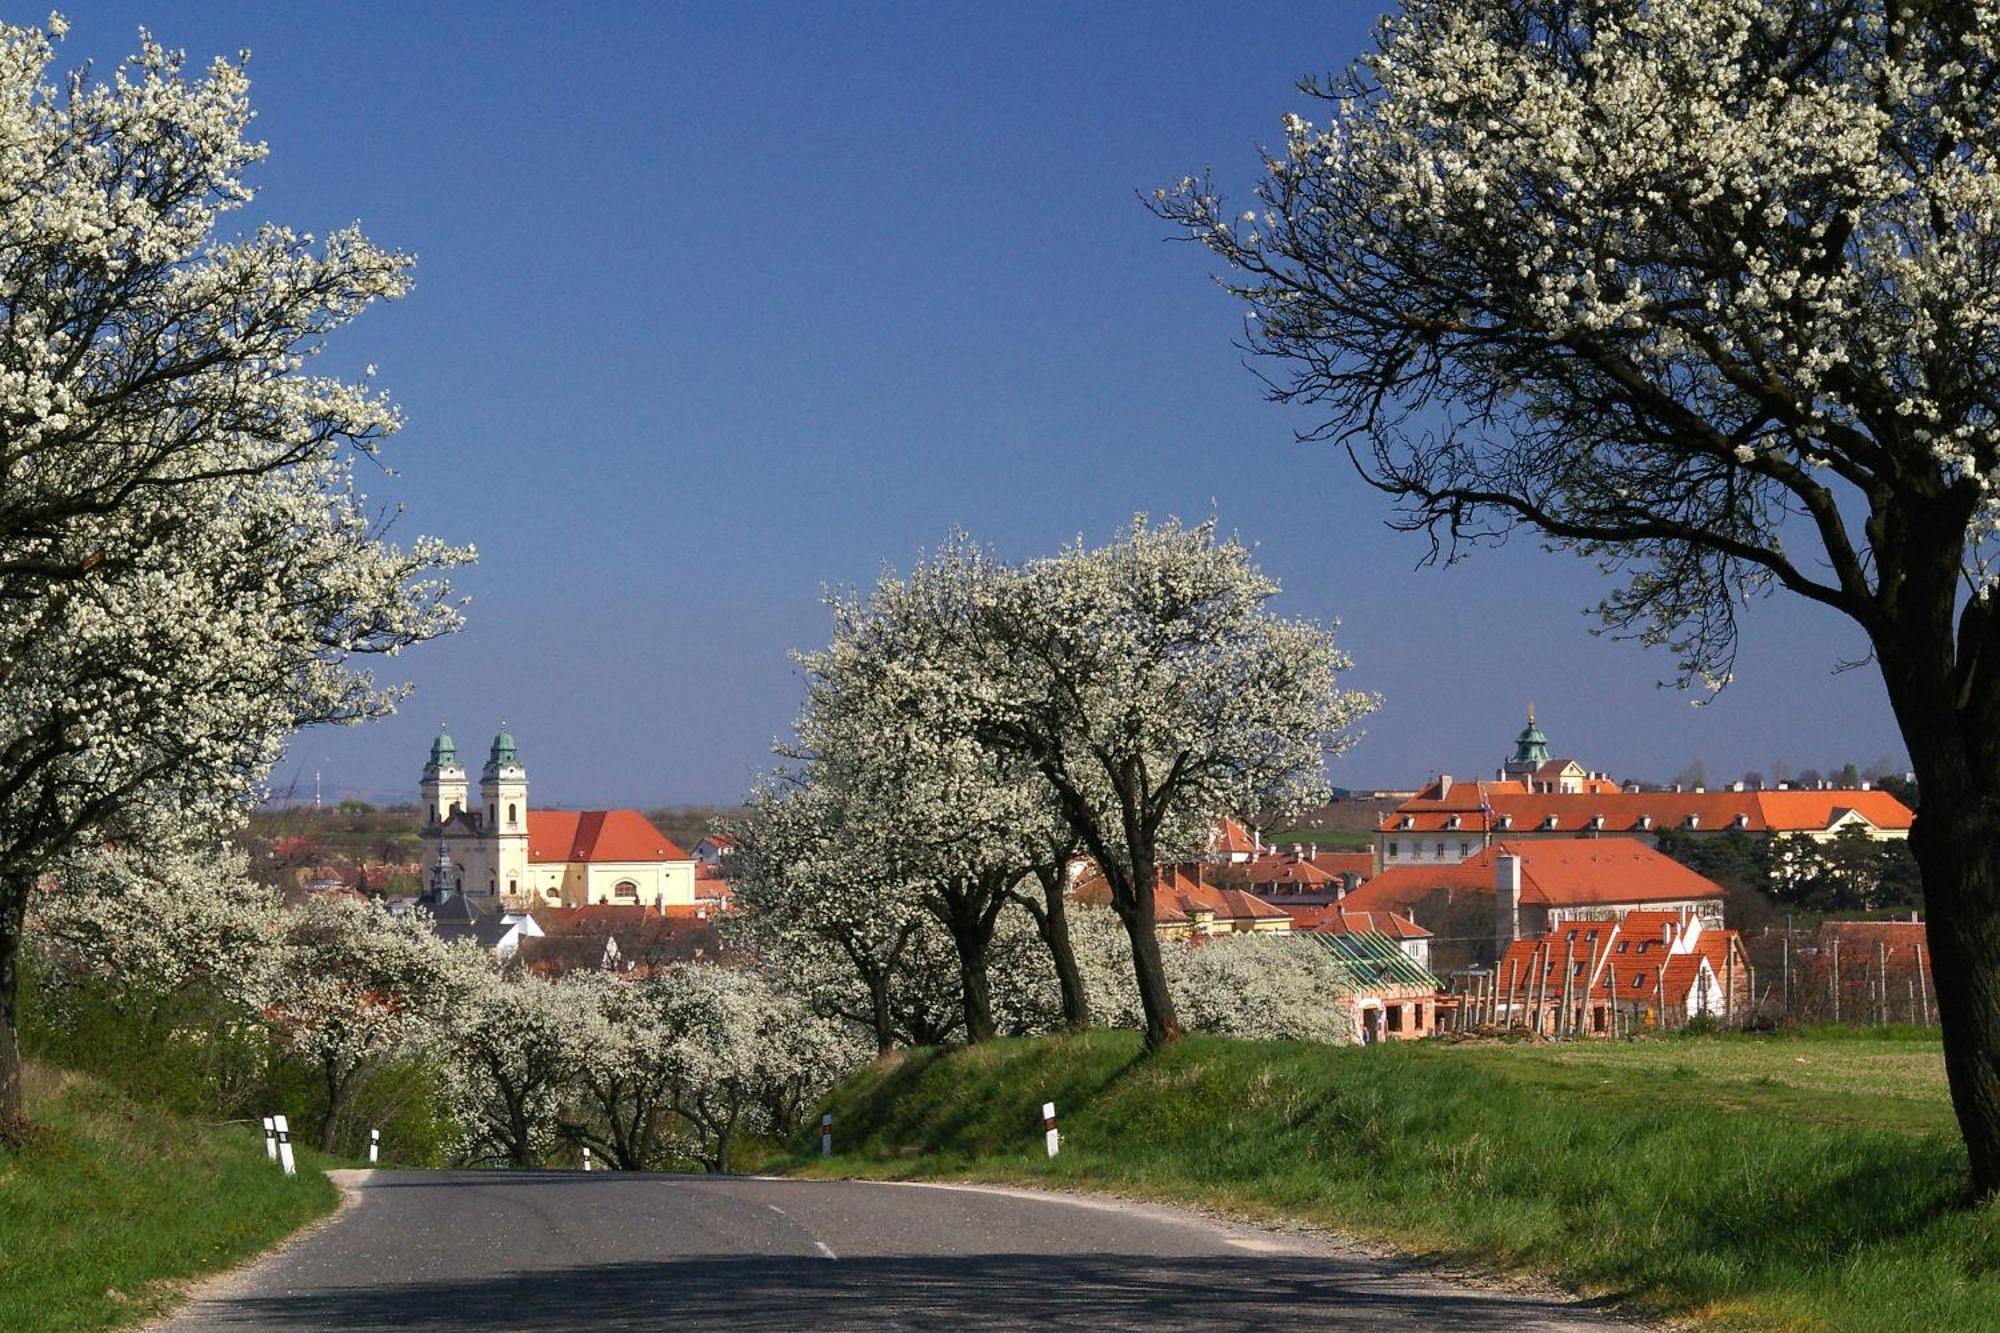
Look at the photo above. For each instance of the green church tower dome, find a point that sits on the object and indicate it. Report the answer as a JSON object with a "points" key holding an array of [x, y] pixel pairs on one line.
{"points": [[504, 750], [444, 750]]}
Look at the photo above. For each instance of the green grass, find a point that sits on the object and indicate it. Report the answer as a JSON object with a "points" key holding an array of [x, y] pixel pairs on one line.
{"points": [[112, 1206], [1761, 1182]]}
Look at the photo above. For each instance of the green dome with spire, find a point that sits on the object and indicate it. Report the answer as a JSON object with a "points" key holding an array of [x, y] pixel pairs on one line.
{"points": [[444, 750], [1531, 747], [504, 750]]}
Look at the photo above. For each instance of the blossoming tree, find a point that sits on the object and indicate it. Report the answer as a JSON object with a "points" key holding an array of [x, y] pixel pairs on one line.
{"points": [[187, 570], [891, 720], [1702, 290], [514, 1046], [1151, 688]]}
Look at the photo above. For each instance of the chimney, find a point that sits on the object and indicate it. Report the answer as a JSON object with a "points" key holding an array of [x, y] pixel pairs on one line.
{"points": [[1444, 785], [1312, 852], [1507, 900], [1349, 881]]}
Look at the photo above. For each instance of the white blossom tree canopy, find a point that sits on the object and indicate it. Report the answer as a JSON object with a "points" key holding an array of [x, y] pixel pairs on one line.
{"points": [[188, 570], [1153, 689], [1708, 291]]}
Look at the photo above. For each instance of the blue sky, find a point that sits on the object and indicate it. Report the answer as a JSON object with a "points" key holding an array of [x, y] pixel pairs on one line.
{"points": [[718, 305]]}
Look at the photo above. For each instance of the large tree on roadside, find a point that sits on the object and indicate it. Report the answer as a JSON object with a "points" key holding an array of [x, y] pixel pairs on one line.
{"points": [[1153, 690], [186, 572], [1708, 291], [891, 721]]}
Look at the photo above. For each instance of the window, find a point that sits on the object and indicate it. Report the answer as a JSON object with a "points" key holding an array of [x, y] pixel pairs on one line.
{"points": [[513, 814], [1597, 1018], [1440, 851], [513, 886], [1392, 849], [1395, 1018], [1417, 1017], [625, 888], [1465, 849]]}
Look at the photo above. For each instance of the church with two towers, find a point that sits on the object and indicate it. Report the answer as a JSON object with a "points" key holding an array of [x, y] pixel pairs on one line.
{"points": [[501, 851]]}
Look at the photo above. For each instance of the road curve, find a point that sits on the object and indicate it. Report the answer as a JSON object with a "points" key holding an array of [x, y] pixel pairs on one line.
{"points": [[564, 1250]]}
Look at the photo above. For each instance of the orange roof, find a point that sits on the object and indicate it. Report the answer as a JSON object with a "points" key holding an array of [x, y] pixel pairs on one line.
{"points": [[1232, 837], [1180, 893], [556, 836], [1557, 872], [1337, 919], [1503, 806]]}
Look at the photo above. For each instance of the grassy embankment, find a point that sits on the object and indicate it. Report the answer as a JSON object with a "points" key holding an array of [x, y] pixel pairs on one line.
{"points": [[1790, 1182], [112, 1206]]}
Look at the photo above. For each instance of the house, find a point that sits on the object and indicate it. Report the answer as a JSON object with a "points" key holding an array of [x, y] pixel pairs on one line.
{"points": [[1518, 889], [496, 929], [1186, 903], [1394, 997], [619, 937], [1604, 977], [507, 851], [713, 849], [1336, 919], [1533, 796], [1302, 873]]}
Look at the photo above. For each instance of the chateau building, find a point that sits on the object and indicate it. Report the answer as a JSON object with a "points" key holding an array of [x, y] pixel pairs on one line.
{"points": [[1534, 796], [500, 849]]}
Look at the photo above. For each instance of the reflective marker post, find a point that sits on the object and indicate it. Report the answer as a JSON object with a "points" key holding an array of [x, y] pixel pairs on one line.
{"points": [[826, 1135], [270, 1138], [374, 1146], [285, 1146], [586, 1159], [1049, 1125]]}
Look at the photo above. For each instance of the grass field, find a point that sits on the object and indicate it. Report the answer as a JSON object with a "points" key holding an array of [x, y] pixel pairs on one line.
{"points": [[112, 1207], [1799, 1182]]}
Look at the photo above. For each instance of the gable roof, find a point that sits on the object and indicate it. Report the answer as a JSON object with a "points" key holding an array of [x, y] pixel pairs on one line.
{"points": [[1339, 919], [1555, 872], [1231, 837], [1370, 959], [562, 836], [1181, 893], [1506, 806]]}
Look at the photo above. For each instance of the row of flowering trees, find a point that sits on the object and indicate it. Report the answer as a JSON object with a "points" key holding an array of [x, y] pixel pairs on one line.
{"points": [[976, 727], [670, 1067]]}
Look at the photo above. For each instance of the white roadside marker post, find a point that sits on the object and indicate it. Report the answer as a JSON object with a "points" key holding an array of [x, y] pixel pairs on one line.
{"points": [[270, 1138], [285, 1146], [374, 1146], [1049, 1125], [586, 1159], [826, 1135]]}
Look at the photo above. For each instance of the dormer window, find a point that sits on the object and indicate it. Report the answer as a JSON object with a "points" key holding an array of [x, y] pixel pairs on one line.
{"points": [[1741, 821], [1506, 821], [1692, 821], [1597, 821], [1408, 822], [1548, 822], [1452, 822], [1645, 821]]}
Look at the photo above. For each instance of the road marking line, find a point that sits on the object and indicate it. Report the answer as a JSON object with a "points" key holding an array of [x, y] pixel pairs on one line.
{"points": [[824, 1249]]}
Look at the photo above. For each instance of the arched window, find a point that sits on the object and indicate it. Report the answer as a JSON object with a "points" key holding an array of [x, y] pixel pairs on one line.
{"points": [[513, 887], [513, 815], [625, 888]]}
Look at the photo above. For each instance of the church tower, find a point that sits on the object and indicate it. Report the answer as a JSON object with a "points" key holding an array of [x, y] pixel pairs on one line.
{"points": [[503, 787], [1531, 751], [444, 780]]}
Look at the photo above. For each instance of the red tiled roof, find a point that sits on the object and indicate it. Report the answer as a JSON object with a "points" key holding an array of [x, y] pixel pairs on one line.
{"points": [[597, 835], [1557, 872], [1476, 805], [1337, 919], [1232, 837], [1180, 893]]}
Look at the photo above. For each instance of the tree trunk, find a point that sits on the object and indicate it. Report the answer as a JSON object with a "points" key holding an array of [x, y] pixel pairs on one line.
{"points": [[964, 915], [1052, 923], [1155, 999], [1956, 840], [13, 908], [336, 1102], [878, 1005]]}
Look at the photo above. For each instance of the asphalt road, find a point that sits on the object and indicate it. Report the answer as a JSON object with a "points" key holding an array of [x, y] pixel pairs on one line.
{"points": [[563, 1250]]}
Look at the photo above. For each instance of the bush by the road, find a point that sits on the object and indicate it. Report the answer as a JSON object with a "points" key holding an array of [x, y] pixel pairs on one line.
{"points": [[108, 1207], [1755, 1181]]}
